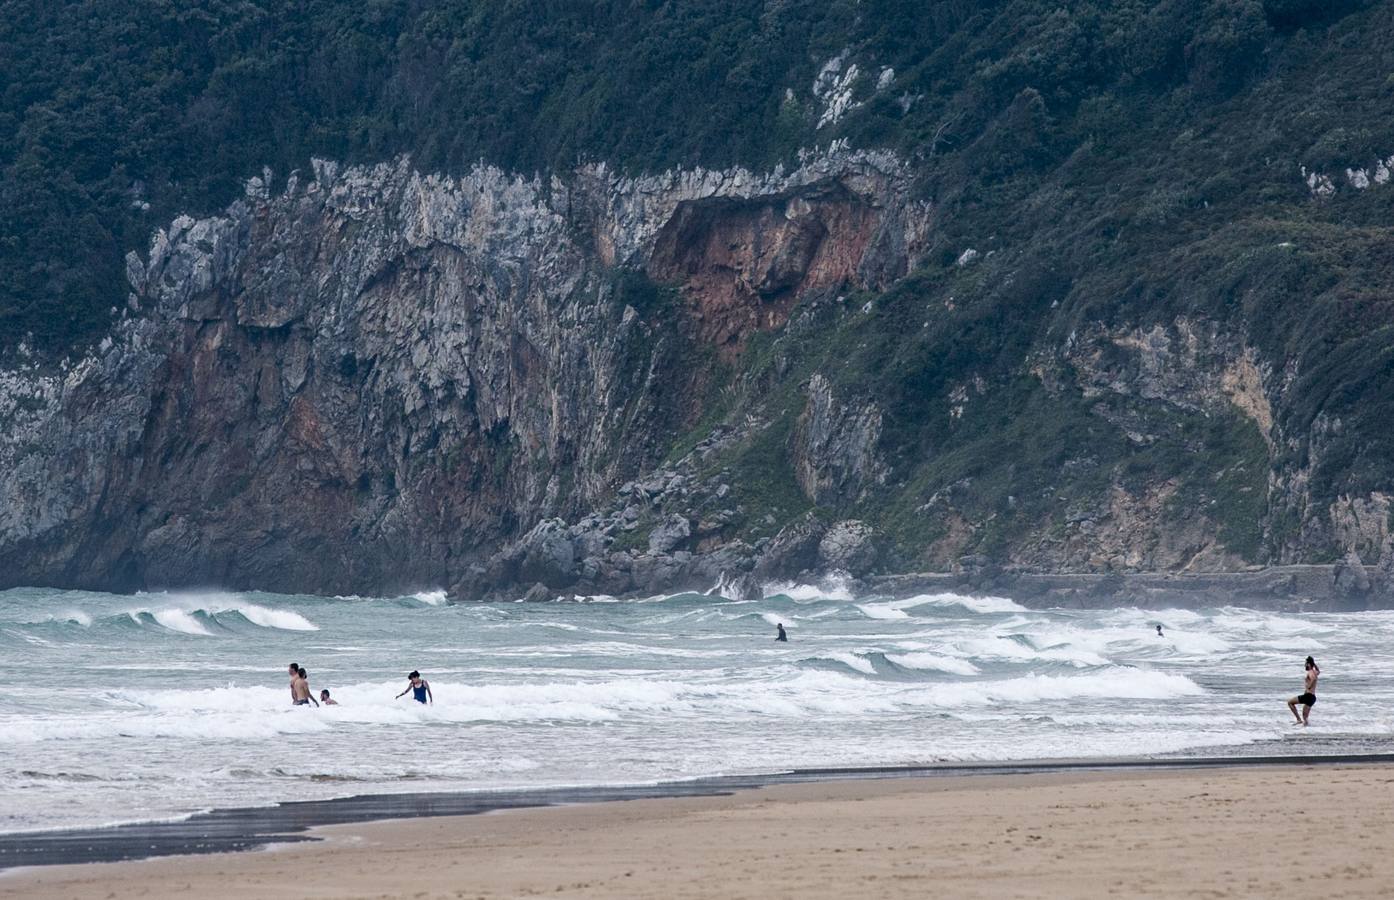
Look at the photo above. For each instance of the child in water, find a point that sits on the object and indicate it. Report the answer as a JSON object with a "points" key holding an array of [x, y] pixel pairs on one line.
{"points": [[419, 688]]}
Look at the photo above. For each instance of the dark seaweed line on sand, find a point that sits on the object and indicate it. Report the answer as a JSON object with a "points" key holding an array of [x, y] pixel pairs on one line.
{"points": [[227, 830]]}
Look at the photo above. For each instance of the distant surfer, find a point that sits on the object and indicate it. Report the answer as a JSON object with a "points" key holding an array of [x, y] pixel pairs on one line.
{"points": [[1159, 631], [419, 688], [781, 635], [1308, 697], [326, 700], [300, 687]]}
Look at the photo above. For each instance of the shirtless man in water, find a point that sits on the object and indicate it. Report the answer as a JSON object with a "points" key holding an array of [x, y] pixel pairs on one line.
{"points": [[299, 687], [1308, 697]]}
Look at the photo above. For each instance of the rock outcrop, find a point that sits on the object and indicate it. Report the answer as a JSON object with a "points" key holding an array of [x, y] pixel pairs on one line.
{"points": [[834, 448], [373, 379]]}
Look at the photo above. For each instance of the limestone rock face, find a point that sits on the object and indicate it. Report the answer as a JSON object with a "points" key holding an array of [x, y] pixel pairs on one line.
{"points": [[1349, 576], [670, 534], [378, 379], [834, 446], [848, 546]]}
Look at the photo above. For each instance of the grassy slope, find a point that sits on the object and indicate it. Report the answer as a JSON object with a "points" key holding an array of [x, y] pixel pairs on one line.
{"points": [[1127, 163], [1167, 196]]}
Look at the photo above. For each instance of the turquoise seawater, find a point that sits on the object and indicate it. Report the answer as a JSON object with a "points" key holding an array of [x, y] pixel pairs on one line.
{"points": [[151, 706]]}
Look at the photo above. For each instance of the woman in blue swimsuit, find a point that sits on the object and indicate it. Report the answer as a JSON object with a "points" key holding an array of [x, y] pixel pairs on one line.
{"points": [[420, 689]]}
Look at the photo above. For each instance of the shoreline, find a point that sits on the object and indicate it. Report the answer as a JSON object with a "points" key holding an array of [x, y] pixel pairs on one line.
{"points": [[1205, 830], [239, 829]]}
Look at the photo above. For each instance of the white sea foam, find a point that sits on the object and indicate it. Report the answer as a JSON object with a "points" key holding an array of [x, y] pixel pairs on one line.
{"points": [[882, 611], [270, 618], [687, 685], [187, 621], [1114, 683], [833, 587], [259, 713], [985, 604], [70, 617], [725, 587], [180, 620], [431, 598], [851, 661], [1003, 647]]}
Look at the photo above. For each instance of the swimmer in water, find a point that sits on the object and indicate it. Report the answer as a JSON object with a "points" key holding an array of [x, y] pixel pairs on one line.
{"points": [[419, 688], [305, 684], [781, 636], [1159, 631], [325, 700], [1308, 697], [300, 687]]}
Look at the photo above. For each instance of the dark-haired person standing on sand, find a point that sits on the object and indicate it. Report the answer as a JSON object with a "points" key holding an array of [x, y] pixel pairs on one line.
{"points": [[419, 687], [1308, 697]]}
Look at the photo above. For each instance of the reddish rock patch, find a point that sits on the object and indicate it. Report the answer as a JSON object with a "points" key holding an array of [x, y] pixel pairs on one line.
{"points": [[742, 265]]}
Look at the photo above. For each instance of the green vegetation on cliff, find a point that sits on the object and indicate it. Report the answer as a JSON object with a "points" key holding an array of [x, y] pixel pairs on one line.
{"points": [[116, 116], [1116, 167]]}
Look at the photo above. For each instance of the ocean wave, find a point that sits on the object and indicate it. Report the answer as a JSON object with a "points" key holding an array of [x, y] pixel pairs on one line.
{"points": [[976, 604], [1019, 647], [260, 713], [1116, 683], [893, 666], [190, 620], [180, 620], [71, 617], [841, 659], [283, 619], [833, 587], [884, 611], [897, 609], [933, 662]]}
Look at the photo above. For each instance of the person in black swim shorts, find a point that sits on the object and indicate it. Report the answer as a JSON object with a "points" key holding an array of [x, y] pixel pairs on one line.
{"points": [[1308, 697], [300, 688]]}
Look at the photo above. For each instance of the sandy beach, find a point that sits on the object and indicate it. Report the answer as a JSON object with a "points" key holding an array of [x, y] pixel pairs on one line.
{"points": [[1284, 831]]}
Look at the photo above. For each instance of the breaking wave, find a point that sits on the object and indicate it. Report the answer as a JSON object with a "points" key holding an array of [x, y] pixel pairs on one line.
{"points": [[199, 621], [687, 685]]}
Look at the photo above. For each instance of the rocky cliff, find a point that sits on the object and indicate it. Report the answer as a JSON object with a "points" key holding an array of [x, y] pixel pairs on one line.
{"points": [[1088, 290], [371, 379]]}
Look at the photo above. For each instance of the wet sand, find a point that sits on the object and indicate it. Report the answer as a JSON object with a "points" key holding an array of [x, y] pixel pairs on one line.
{"points": [[1277, 831]]}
